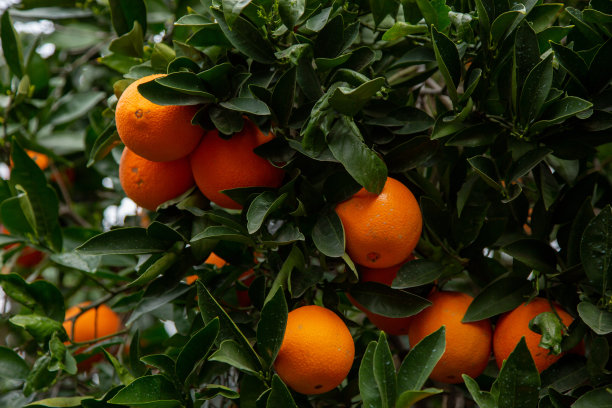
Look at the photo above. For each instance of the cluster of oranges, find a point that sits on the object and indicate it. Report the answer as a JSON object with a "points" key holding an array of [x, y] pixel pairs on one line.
{"points": [[165, 154]]}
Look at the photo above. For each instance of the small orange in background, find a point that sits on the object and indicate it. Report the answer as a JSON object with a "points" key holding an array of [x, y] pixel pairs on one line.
{"points": [[317, 351], [28, 257], [212, 259], [383, 229], [391, 325], [150, 183], [514, 325], [42, 160], [224, 164], [155, 132], [468, 345]]}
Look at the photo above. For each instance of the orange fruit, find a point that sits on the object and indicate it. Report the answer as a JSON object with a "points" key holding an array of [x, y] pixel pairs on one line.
{"points": [[223, 164], [155, 132], [97, 322], [514, 325], [317, 351], [392, 325], [212, 259], [42, 160], [28, 257], [151, 183], [383, 229], [468, 345]]}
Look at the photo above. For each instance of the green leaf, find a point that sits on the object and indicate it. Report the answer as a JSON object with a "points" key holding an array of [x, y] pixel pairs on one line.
{"points": [[597, 319], [411, 154], [196, 349], [290, 11], [232, 9], [435, 13], [179, 88], [223, 233], [124, 375], [163, 363], [501, 27], [271, 327], [11, 365], [526, 57], [384, 372], [420, 361], [483, 399], [544, 15], [58, 402], [74, 106], [552, 34], [449, 62], [149, 391], [153, 302], [11, 45], [246, 38], [283, 96], [130, 44], [533, 253], [213, 390], [585, 29], [417, 273], [280, 395], [210, 309], [383, 300], [410, 398], [351, 101], [362, 163], [247, 105], [328, 234], [518, 380], [599, 76], [125, 12], [261, 207], [41, 297], [599, 397], [40, 327], [535, 90], [551, 328], [104, 144], [526, 163], [486, 169], [561, 110], [596, 249], [368, 387], [232, 353], [129, 240], [572, 62], [501, 295], [401, 29], [382, 8], [155, 266], [582, 218]]}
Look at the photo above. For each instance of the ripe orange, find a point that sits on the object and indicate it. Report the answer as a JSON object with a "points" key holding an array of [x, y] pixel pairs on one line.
{"points": [[28, 257], [317, 351], [212, 259], [42, 160], [155, 132], [223, 164], [93, 324], [392, 325], [151, 183], [513, 325], [468, 345], [381, 230]]}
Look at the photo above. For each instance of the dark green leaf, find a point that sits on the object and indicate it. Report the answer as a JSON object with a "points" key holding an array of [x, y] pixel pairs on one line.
{"points": [[129, 44], [11, 365], [11, 45], [518, 380], [526, 162], [351, 101], [411, 154], [421, 360], [328, 234], [599, 397], [124, 375], [247, 105], [246, 38], [149, 391], [104, 144], [383, 300], [448, 62], [368, 387], [232, 9], [40, 327], [232, 353], [535, 90], [596, 249], [384, 372], [223, 233], [503, 24], [213, 390], [409, 398], [417, 273], [58, 402], [196, 349], [483, 399], [382, 8], [179, 88], [561, 110], [283, 96], [162, 362], [435, 13], [271, 327], [74, 106], [533, 253], [572, 62], [150, 303], [125, 12], [280, 395], [129, 240], [366, 167], [499, 296], [290, 11], [261, 207], [526, 56], [597, 319], [551, 328], [486, 169]]}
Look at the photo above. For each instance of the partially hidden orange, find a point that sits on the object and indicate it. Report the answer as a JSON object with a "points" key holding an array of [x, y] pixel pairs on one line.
{"points": [[96, 322], [468, 345], [317, 351], [150, 183], [212, 259], [514, 325], [381, 230], [223, 164], [155, 132]]}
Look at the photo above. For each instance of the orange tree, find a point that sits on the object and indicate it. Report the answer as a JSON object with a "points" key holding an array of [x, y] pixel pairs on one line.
{"points": [[494, 116]]}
